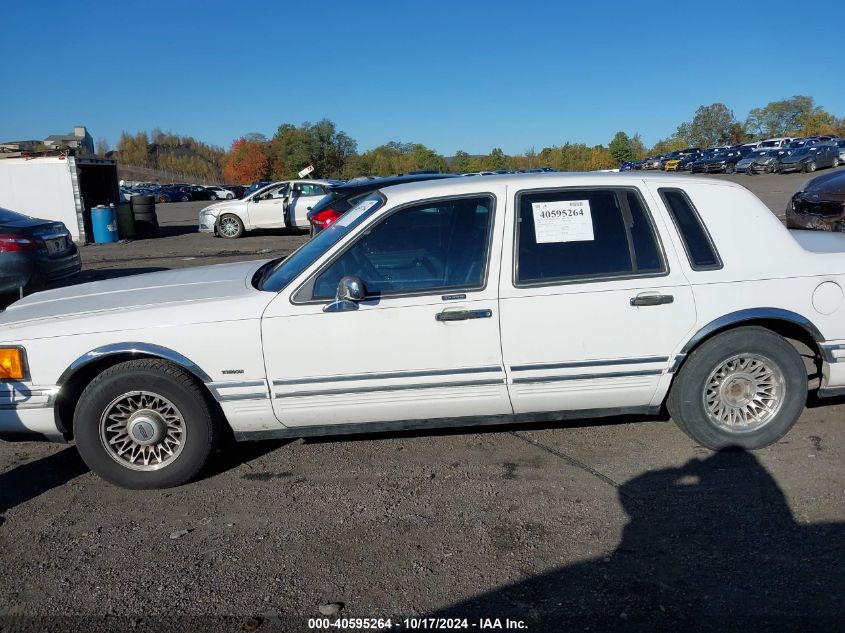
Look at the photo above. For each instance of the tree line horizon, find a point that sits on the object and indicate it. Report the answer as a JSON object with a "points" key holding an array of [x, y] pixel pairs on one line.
{"points": [[334, 153]]}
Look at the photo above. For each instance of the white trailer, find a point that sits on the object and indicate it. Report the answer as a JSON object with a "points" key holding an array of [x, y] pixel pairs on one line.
{"points": [[63, 188]]}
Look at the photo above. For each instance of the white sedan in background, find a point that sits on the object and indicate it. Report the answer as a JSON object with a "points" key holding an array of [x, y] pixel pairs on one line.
{"points": [[466, 301], [283, 204], [219, 193]]}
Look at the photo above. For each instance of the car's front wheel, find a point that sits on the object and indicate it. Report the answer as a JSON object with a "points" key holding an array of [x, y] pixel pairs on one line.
{"points": [[744, 388], [145, 424], [230, 226], [810, 166], [730, 168]]}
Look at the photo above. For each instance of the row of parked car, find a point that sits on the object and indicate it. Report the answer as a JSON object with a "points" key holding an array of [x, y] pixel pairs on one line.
{"points": [[181, 192], [774, 155]]}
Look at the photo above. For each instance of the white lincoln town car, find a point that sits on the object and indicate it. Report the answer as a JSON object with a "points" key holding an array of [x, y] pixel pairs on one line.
{"points": [[471, 301]]}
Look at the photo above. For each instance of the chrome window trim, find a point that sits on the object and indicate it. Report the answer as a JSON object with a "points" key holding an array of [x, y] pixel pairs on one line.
{"points": [[303, 295]]}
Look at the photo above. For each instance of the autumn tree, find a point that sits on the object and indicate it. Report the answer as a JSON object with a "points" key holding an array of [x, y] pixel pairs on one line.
{"points": [[247, 162]]}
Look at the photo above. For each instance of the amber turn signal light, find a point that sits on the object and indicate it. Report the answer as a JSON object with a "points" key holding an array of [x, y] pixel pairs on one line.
{"points": [[12, 364]]}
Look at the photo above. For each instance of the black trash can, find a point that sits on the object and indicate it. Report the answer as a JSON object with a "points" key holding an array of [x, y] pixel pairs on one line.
{"points": [[144, 212]]}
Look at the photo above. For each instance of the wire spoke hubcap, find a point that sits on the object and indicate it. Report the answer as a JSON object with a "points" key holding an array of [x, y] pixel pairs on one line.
{"points": [[228, 226], [142, 430], [744, 393]]}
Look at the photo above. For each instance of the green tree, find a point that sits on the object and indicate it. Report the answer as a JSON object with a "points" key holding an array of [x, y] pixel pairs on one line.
{"points": [[779, 118], [496, 160], [320, 144], [711, 125], [461, 163], [621, 148]]}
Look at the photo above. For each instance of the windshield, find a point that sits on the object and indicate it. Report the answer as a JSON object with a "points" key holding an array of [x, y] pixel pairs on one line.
{"points": [[280, 274]]}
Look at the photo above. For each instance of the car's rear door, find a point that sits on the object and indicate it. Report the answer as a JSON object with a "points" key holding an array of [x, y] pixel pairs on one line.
{"points": [[424, 345], [593, 303], [304, 196]]}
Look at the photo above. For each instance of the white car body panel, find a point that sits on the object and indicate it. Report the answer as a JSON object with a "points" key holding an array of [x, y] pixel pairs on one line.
{"points": [[275, 365]]}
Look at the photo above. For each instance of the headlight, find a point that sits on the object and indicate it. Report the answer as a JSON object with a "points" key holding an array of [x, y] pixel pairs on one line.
{"points": [[13, 364]]}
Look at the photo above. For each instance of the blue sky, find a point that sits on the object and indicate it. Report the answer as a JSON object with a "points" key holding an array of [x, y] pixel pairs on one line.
{"points": [[452, 75]]}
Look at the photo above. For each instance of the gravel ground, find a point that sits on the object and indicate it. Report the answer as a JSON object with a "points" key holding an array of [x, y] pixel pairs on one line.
{"points": [[612, 524]]}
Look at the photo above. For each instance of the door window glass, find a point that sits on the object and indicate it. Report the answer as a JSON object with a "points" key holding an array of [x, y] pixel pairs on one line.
{"points": [[432, 246], [572, 234]]}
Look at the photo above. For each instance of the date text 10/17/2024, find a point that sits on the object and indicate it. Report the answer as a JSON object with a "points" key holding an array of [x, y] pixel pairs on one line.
{"points": [[416, 624]]}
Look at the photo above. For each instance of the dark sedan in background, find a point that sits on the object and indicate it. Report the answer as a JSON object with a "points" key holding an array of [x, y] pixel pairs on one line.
{"points": [[34, 252], [724, 161], [809, 158], [340, 199], [819, 204]]}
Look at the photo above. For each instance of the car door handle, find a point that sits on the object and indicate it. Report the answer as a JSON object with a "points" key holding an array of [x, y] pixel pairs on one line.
{"points": [[651, 300], [462, 315]]}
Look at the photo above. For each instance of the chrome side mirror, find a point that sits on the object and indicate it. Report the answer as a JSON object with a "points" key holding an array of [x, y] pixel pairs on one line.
{"points": [[350, 290]]}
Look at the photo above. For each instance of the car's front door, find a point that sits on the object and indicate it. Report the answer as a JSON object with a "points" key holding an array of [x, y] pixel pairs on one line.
{"points": [[304, 195], [593, 307], [425, 342], [267, 209]]}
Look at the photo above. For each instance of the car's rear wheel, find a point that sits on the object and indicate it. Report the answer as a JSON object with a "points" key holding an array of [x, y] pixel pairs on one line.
{"points": [[145, 424], [835, 161], [184, 198], [212, 197], [230, 226], [745, 388], [230, 196]]}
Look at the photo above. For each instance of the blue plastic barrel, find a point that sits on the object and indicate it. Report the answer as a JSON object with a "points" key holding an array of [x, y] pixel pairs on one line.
{"points": [[104, 223]]}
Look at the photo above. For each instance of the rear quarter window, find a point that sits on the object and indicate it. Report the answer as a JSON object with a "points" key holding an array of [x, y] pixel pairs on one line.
{"points": [[701, 252]]}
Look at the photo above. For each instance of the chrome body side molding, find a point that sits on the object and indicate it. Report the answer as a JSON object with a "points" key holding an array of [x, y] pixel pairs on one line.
{"points": [[133, 348]]}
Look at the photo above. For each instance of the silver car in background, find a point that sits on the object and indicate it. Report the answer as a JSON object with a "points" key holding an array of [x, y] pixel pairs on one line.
{"points": [[767, 160]]}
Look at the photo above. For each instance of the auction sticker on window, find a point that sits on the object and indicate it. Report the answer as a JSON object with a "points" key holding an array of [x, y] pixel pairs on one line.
{"points": [[563, 221]]}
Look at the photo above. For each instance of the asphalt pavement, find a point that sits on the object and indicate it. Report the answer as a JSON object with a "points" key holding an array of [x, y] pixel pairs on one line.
{"points": [[622, 523]]}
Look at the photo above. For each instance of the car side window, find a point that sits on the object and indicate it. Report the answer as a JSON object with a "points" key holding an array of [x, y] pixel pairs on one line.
{"points": [[434, 246], [308, 189], [701, 252], [579, 234]]}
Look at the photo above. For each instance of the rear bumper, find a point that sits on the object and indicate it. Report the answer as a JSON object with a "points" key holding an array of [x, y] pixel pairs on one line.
{"points": [[54, 268], [16, 270], [25, 410]]}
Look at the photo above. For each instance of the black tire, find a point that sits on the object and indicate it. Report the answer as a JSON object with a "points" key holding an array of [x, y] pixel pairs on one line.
{"points": [[730, 168], [686, 398], [230, 220], [154, 376], [184, 198], [810, 166], [230, 196], [141, 199], [213, 196]]}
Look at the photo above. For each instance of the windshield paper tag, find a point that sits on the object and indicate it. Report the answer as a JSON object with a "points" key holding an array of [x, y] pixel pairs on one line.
{"points": [[355, 212], [563, 221]]}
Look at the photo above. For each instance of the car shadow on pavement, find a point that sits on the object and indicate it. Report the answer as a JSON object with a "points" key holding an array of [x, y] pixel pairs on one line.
{"points": [[236, 454], [32, 479], [711, 544], [505, 427]]}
